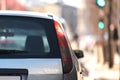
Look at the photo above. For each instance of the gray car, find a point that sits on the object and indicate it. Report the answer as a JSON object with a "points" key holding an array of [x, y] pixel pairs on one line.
{"points": [[34, 46]]}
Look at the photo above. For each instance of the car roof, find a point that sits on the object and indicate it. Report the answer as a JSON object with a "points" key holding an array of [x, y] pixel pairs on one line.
{"points": [[30, 14], [26, 14]]}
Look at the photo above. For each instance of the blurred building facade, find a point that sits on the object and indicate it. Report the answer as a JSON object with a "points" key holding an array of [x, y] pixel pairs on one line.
{"points": [[11, 5]]}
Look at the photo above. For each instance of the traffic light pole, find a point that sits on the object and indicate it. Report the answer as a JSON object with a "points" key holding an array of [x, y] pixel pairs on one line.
{"points": [[102, 4], [111, 57]]}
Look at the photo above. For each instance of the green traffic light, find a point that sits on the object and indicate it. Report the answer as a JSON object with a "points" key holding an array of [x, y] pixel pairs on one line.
{"points": [[101, 25], [101, 3]]}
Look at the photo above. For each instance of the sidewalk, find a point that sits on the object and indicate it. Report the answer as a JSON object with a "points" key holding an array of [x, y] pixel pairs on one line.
{"points": [[99, 71], [104, 73]]}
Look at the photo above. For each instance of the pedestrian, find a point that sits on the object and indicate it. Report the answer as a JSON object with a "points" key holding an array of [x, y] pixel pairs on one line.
{"points": [[74, 42], [115, 37]]}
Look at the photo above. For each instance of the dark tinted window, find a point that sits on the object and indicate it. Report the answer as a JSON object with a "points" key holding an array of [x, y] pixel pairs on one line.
{"points": [[26, 37]]}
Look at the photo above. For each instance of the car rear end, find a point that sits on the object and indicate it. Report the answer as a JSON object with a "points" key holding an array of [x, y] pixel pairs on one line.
{"points": [[34, 47], [71, 67]]}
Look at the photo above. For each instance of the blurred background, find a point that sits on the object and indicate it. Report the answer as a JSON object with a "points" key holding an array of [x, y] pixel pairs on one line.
{"points": [[91, 25]]}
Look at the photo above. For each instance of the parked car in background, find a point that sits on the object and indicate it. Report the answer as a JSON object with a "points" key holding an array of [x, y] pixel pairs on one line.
{"points": [[34, 46]]}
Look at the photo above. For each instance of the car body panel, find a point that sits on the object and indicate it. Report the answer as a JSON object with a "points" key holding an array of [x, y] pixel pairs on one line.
{"points": [[24, 14], [46, 68]]}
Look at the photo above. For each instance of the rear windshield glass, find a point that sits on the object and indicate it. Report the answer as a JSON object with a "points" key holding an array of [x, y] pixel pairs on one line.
{"points": [[25, 37]]}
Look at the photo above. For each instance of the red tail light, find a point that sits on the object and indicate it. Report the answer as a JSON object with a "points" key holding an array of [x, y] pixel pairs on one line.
{"points": [[65, 52]]}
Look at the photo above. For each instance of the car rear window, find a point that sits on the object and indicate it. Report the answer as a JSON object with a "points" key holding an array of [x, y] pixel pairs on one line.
{"points": [[27, 37]]}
